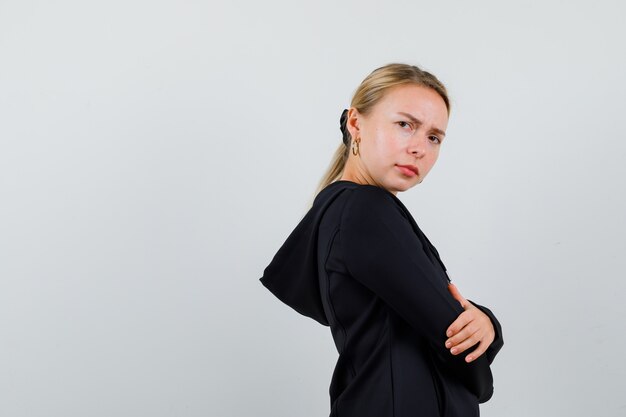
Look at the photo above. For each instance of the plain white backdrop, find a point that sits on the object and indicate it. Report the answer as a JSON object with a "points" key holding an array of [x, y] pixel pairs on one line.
{"points": [[154, 155]]}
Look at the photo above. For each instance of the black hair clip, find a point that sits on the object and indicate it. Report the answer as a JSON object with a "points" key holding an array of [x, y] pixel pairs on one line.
{"points": [[342, 126]]}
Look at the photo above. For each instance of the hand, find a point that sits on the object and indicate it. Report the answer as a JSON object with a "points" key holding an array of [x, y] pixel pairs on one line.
{"points": [[472, 327]]}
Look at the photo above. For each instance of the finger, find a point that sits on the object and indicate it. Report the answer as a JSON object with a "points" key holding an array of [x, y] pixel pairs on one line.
{"points": [[458, 324], [457, 294], [469, 331], [480, 349], [467, 343]]}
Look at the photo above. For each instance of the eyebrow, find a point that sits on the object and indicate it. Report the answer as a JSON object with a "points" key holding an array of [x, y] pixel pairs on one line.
{"points": [[419, 122]]}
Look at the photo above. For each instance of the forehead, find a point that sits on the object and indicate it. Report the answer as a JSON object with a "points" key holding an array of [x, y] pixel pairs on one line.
{"points": [[414, 99]]}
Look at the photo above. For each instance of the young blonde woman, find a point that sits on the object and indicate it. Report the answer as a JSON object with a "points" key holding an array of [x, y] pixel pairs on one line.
{"points": [[409, 344]]}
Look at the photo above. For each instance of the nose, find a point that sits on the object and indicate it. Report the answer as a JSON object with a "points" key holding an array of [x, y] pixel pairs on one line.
{"points": [[417, 147]]}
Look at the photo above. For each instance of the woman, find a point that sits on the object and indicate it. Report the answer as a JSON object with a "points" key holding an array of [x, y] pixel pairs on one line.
{"points": [[409, 344]]}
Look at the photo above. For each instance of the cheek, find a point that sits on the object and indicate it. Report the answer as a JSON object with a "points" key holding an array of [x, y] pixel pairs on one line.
{"points": [[392, 144], [385, 148], [382, 144], [434, 159]]}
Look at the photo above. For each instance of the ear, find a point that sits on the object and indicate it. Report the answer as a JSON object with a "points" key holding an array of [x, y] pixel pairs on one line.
{"points": [[352, 124]]}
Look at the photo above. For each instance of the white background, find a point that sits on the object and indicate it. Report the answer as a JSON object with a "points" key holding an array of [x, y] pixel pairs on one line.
{"points": [[154, 155]]}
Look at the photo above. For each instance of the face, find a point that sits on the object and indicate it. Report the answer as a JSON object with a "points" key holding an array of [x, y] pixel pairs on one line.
{"points": [[401, 134]]}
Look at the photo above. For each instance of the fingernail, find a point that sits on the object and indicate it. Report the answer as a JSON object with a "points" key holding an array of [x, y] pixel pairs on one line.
{"points": [[453, 350], [470, 358], [448, 344], [449, 333]]}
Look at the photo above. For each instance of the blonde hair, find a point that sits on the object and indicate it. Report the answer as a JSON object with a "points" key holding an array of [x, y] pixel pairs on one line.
{"points": [[371, 90]]}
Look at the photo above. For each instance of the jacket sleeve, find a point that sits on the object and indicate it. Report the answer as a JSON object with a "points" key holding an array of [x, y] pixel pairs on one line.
{"points": [[383, 252]]}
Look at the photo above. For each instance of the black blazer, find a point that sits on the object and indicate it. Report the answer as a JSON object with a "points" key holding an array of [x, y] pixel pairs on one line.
{"points": [[358, 262]]}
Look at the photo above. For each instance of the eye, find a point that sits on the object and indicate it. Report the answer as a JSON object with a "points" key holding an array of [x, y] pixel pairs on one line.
{"points": [[435, 139], [404, 124]]}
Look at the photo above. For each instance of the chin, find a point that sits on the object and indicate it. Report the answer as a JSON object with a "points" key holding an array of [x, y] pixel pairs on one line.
{"points": [[401, 187]]}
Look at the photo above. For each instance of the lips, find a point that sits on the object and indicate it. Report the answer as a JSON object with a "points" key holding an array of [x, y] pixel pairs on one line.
{"points": [[411, 167]]}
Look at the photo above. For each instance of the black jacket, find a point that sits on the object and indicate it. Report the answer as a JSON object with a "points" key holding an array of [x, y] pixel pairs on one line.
{"points": [[358, 262]]}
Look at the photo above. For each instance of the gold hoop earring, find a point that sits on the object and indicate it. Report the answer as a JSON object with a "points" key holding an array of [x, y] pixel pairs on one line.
{"points": [[355, 148]]}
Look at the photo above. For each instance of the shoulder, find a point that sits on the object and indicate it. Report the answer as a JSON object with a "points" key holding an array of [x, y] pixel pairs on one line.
{"points": [[371, 203], [368, 197]]}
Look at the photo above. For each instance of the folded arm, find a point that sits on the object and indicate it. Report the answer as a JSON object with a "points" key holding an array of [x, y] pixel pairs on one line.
{"points": [[476, 327], [383, 252]]}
